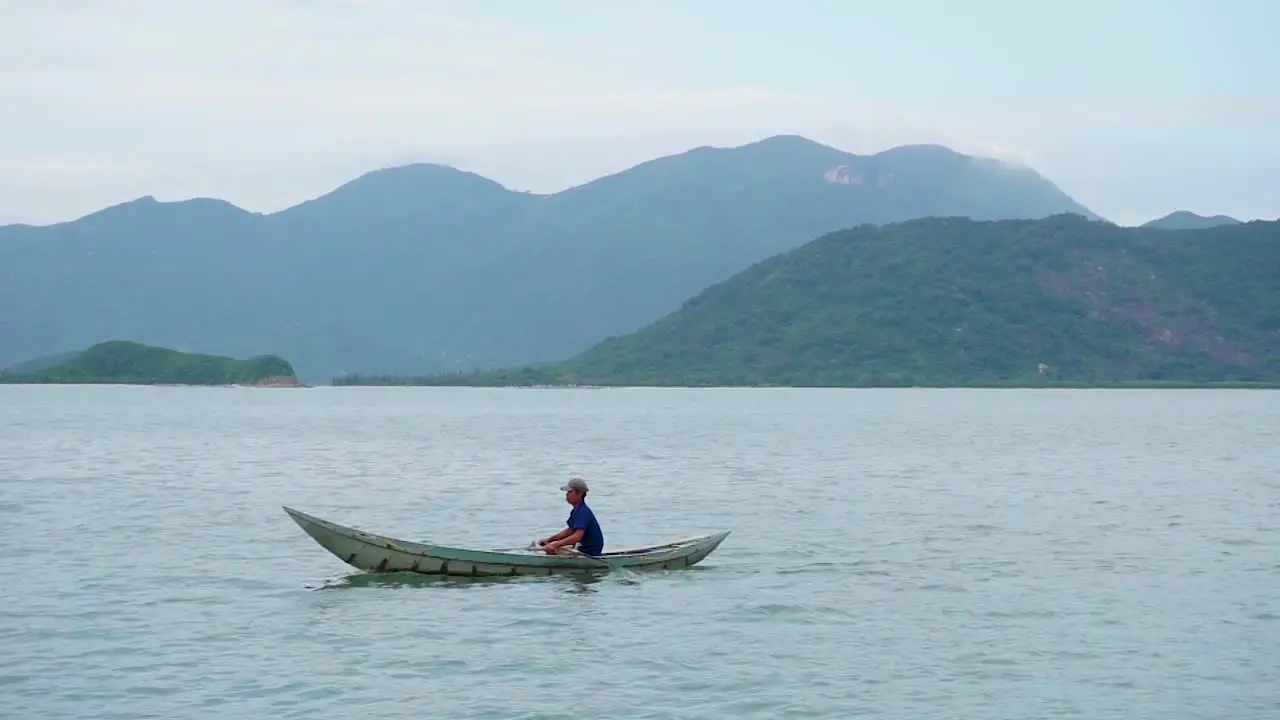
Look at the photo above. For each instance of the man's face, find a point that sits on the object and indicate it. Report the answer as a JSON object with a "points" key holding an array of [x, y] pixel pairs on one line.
{"points": [[572, 496]]}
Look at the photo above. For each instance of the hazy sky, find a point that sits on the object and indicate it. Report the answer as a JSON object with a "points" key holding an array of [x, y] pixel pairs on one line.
{"points": [[1135, 108]]}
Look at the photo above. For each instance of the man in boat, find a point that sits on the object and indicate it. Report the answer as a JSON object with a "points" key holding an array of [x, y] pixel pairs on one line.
{"points": [[582, 528]]}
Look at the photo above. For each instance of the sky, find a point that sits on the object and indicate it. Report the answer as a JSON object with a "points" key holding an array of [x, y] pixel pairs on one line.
{"points": [[1136, 108]]}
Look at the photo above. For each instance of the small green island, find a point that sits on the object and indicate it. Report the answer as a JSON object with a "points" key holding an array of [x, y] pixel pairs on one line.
{"points": [[121, 362]]}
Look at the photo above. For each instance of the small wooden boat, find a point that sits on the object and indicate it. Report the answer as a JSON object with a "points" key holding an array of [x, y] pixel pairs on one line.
{"points": [[381, 554]]}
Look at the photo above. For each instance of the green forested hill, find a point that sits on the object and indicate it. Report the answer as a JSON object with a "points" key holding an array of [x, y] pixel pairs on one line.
{"points": [[121, 362], [952, 301], [426, 268]]}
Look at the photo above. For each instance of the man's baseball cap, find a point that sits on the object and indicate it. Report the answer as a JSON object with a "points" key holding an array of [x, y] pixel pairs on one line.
{"points": [[576, 483]]}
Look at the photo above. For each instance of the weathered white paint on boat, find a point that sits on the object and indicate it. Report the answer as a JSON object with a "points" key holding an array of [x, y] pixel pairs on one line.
{"points": [[378, 553]]}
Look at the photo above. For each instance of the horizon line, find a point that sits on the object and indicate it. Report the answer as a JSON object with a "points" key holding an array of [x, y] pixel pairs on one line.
{"points": [[151, 196], [386, 167]]}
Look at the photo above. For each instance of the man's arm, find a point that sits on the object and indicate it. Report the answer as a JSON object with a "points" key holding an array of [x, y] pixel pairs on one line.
{"points": [[572, 534], [564, 537], [558, 536]]}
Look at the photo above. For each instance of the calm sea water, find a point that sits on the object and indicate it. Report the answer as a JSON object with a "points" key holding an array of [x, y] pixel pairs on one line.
{"points": [[895, 554]]}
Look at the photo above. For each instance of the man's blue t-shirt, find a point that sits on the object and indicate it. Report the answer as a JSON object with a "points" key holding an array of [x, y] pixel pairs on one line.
{"points": [[581, 517]]}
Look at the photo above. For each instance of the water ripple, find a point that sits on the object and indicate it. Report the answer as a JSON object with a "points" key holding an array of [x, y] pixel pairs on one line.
{"points": [[896, 554]]}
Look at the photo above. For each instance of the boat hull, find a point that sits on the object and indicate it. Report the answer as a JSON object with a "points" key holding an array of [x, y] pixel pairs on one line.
{"points": [[381, 554]]}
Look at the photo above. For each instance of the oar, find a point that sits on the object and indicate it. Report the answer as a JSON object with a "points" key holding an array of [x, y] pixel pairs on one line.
{"points": [[530, 546], [535, 546], [579, 553], [606, 563]]}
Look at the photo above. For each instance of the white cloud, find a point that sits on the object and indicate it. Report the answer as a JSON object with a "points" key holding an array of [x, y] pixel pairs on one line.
{"points": [[270, 103], [64, 170], [251, 82], [165, 99]]}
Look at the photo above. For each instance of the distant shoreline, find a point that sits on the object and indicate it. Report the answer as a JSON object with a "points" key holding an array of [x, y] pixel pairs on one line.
{"points": [[118, 383], [290, 382], [1063, 385], [1058, 386]]}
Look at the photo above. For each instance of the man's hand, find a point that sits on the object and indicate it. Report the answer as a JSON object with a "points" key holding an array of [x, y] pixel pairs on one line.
{"points": [[550, 548]]}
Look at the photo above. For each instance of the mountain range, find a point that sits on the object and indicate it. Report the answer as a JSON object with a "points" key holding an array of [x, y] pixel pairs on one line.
{"points": [[426, 268]]}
